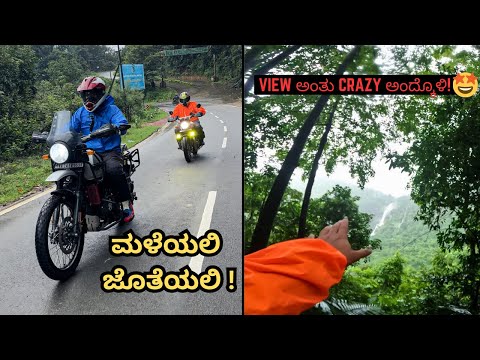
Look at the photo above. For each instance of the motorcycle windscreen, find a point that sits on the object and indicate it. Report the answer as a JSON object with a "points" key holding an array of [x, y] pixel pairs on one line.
{"points": [[60, 129]]}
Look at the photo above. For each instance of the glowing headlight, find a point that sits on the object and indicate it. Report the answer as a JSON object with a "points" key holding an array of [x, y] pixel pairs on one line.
{"points": [[184, 125], [59, 153], [179, 136], [191, 133]]}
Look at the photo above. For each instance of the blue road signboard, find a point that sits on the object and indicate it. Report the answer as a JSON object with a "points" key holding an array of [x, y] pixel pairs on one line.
{"points": [[133, 76]]}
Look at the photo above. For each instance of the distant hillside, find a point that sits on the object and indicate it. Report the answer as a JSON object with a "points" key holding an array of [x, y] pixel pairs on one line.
{"points": [[371, 201], [398, 230]]}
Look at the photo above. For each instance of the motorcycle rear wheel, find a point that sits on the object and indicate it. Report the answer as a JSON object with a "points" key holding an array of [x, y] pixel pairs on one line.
{"points": [[58, 250]]}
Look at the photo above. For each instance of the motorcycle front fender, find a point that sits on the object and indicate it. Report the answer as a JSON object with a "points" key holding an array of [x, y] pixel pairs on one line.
{"points": [[64, 193], [60, 174]]}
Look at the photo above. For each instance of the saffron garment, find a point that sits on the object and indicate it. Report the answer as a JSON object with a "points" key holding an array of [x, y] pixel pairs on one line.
{"points": [[290, 277]]}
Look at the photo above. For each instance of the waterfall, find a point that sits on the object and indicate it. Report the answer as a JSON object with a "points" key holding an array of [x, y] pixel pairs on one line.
{"points": [[403, 218], [389, 208]]}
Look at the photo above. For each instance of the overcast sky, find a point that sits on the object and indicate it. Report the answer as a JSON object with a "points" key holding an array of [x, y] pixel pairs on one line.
{"points": [[392, 182]]}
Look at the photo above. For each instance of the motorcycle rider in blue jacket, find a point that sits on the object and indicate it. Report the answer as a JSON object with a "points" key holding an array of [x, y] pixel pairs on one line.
{"points": [[99, 109]]}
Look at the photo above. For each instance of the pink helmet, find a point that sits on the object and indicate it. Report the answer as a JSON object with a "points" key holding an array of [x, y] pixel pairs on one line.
{"points": [[92, 92]]}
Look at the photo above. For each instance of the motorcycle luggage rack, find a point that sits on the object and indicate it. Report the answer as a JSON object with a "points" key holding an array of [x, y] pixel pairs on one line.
{"points": [[134, 159]]}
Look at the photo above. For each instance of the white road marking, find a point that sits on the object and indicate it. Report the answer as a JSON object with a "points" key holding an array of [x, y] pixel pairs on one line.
{"points": [[13, 207], [216, 116], [221, 121], [197, 261], [224, 145], [225, 128]]}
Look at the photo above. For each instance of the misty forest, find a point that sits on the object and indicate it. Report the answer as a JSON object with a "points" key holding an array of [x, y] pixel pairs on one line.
{"points": [[426, 246]]}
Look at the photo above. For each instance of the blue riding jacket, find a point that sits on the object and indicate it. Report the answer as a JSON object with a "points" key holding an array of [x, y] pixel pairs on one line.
{"points": [[107, 112]]}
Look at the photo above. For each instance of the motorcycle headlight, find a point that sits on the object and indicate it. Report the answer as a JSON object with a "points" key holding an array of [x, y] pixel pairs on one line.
{"points": [[184, 125], [59, 153]]}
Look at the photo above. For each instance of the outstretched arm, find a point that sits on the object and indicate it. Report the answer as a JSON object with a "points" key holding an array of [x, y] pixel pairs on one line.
{"points": [[290, 277]]}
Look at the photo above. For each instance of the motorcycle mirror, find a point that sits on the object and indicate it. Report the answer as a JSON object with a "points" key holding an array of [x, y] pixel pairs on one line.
{"points": [[38, 137], [199, 105], [124, 127], [170, 112]]}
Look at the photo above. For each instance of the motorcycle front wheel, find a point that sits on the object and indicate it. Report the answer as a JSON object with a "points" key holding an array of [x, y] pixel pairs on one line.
{"points": [[186, 150], [58, 250]]}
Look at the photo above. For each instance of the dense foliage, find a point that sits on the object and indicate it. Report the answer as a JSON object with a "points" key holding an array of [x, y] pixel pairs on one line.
{"points": [[432, 260], [223, 61]]}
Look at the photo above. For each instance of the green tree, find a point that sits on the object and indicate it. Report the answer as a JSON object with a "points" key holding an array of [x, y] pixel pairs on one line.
{"points": [[255, 66], [443, 158], [228, 60], [17, 79], [64, 67], [336, 204], [43, 55], [95, 58], [311, 179], [269, 210]]}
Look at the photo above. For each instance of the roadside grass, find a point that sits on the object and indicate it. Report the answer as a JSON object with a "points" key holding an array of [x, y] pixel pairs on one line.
{"points": [[152, 114], [159, 94], [179, 81], [136, 135], [19, 178]]}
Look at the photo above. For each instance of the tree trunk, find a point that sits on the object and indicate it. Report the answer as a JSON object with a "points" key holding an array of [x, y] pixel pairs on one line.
{"points": [[251, 57], [269, 66], [311, 179], [269, 210]]}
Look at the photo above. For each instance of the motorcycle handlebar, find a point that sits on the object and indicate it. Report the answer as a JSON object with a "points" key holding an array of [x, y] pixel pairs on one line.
{"points": [[170, 119], [106, 131], [38, 137]]}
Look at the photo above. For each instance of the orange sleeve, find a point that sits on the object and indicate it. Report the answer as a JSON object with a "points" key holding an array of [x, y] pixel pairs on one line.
{"points": [[202, 110], [290, 277], [176, 112], [192, 106]]}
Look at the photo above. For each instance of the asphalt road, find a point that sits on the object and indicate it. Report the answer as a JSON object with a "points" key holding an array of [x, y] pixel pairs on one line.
{"points": [[172, 196]]}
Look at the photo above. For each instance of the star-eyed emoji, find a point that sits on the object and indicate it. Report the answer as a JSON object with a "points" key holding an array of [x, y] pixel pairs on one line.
{"points": [[465, 84]]}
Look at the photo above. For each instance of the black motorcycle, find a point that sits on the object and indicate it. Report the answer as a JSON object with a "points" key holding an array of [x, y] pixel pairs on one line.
{"points": [[82, 201], [187, 135]]}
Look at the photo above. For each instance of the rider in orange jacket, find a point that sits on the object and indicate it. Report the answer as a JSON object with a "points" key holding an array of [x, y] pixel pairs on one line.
{"points": [[292, 276], [187, 108]]}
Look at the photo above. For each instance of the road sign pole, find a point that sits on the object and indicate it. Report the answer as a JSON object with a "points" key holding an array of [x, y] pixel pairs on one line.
{"points": [[122, 83], [127, 110]]}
